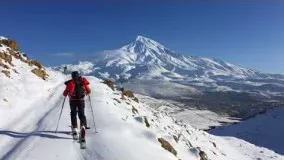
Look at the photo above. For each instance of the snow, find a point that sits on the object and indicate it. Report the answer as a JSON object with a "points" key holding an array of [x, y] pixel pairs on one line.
{"points": [[200, 119], [121, 134], [146, 59], [18, 93], [3, 38], [258, 129], [145, 53], [30, 108], [3, 48], [84, 67], [105, 75]]}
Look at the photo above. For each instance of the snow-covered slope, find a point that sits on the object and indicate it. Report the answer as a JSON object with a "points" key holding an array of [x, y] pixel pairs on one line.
{"points": [[122, 133], [126, 129], [19, 75], [21, 82], [200, 119], [264, 130]]}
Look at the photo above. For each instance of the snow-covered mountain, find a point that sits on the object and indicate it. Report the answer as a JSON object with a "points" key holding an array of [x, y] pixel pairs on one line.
{"points": [[31, 100], [150, 68], [147, 59]]}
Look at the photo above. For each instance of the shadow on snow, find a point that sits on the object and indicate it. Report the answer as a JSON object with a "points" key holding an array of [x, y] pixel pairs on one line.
{"points": [[43, 134]]}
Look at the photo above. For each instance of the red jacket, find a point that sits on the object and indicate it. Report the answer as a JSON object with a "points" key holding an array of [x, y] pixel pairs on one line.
{"points": [[70, 87]]}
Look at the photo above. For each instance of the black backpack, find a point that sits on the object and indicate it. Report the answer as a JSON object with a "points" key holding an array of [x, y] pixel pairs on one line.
{"points": [[79, 89]]}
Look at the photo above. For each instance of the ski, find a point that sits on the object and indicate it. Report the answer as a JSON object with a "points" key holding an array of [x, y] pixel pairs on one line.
{"points": [[82, 139], [82, 144]]}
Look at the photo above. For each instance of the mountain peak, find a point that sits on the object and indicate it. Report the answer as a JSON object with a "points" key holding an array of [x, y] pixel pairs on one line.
{"points": [[142, 38], [138, 38], [141, 44], [147, 41]]}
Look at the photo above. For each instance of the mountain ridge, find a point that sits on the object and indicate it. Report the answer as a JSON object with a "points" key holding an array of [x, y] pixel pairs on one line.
{"points": [[149, 68], [151, 54]]}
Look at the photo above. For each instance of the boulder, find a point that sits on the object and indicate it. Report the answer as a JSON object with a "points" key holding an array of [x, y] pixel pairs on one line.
{"points": [[110, 83], [10, 43], [203, 155], [146, 122], [6, 57], [7, 73], [166, 145], [128, 93], [37, 63], [40, 73]]}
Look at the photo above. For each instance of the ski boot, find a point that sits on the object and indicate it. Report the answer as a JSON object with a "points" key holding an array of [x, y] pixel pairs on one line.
{"points": [[75, 134]]}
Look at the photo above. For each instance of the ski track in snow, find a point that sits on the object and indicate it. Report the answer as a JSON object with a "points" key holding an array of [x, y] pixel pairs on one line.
{"points": [[30, 141], [43, 128], [26, 141]]}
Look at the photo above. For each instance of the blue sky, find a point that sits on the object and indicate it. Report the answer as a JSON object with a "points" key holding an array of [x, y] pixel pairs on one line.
{"points": [[249, 34]]}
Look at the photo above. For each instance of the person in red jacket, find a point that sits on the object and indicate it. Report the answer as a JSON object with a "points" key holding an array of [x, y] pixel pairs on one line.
{"points": [[76, 89]]}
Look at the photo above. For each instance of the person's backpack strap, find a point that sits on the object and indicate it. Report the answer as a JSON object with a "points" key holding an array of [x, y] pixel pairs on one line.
{"points": [[86, 85], [66, 83], [85, 81]]}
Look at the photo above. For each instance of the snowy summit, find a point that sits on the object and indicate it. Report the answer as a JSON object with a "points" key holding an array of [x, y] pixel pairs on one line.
{"points": [[153, 60]]}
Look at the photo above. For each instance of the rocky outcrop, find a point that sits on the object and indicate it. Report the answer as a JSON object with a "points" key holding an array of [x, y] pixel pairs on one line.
{"points": [[203, 155], [127, 93], [37, 63], [19, 56], [13, 52], [7, 73], [6, 57], [40, 73], [175, 138], [166, 145], [110, 83], [10, 43], [3, 65], [136, 99], [134, 110], [146, 122]]}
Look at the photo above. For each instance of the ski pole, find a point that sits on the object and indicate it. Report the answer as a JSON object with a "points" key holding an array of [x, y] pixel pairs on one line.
{"points": [[60, 114], [93, 114]]}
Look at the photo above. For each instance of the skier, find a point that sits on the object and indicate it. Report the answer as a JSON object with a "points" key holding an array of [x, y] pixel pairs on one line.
{"points": [[76, 89], [65, 70]]}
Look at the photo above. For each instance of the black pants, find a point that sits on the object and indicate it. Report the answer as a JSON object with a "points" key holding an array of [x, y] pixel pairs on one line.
{"points": [[78, 106]]}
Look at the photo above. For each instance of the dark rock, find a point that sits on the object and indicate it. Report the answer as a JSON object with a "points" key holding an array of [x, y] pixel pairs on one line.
{"points": [[10, 43], [7, 73], [166, 145], [110, 83], [146, 122], [40, 73]]}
